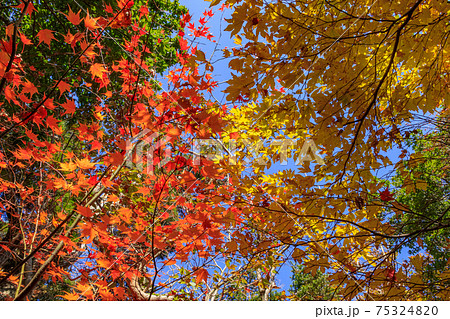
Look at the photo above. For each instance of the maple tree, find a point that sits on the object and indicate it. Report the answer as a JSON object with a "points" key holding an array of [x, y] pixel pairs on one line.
{"points": [[73, 208]]}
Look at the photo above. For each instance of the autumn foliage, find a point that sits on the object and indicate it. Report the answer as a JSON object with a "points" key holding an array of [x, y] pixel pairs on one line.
{"points": [[83, 205], [86, 216]]}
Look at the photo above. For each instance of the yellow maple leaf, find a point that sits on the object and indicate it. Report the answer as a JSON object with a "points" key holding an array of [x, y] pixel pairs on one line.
{"points": [[85, 164], [68, 167], [97, 70]]}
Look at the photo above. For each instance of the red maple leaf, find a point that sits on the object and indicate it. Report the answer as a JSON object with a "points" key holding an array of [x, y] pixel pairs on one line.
{"points": [[29, 87], [63, 87], [46, 36], [69, 106], [85, 211], [93, 180], [386, 196], [390, 274], [206, 224], [24, 39], [125, 3], [202, 275], [143, 11], [53, 124], [73, 17], [96, 145], [91, 23], [30, 8], [122, 20], [183, 44]]}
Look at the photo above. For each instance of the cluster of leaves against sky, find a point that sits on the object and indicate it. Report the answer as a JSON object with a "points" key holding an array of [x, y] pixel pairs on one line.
{"points": [[78, 82]]}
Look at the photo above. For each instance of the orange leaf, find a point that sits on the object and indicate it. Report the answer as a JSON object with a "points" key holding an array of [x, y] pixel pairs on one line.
{"points": [[144, 190], [211, 171], [89, 232], [114, 159], [29, 87], [170, 262], [22, 154], [97, 70], [69, 106], [125, 214], [113, 198], [104, 263], [215, 123], [24, 39], [106, 294], [5, 248], [85, 211], [173, 131], [70, 297], [202, 275], [90, 23], [85, 164], [63, 87], [106, 182], [30, 8], [72, 17], [46, 36], [158, 243], [68, 167], [53, 124]]}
